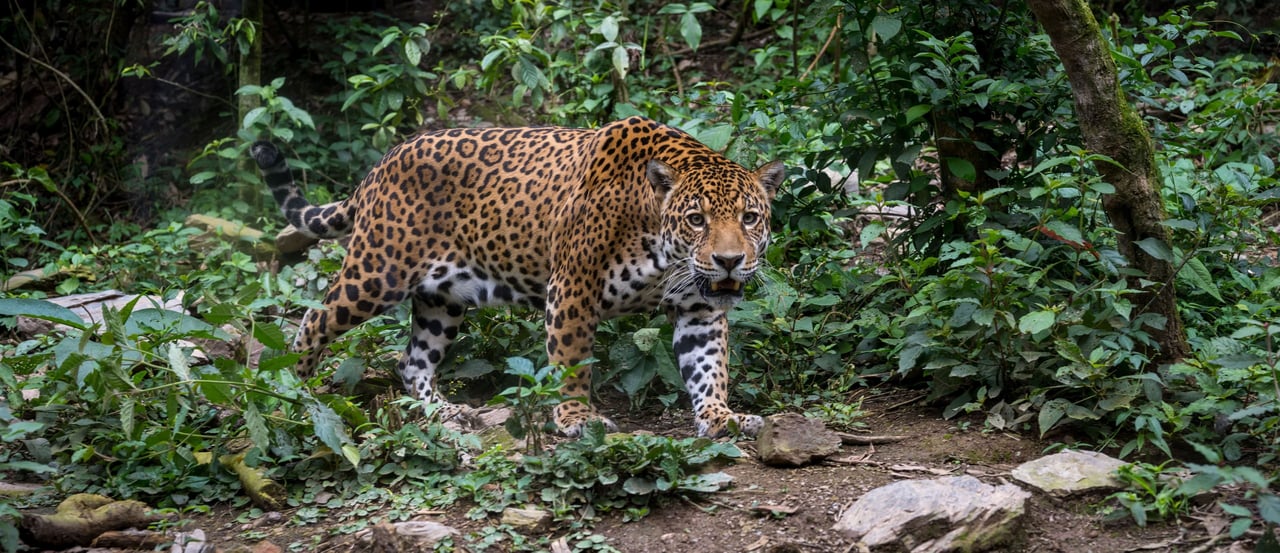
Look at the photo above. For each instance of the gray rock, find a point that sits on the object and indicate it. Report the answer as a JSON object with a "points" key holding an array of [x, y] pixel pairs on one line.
{"points": [[292, 240], [527, 520], [953, 513], [412, 535], [790, 439], [1070, 472]]}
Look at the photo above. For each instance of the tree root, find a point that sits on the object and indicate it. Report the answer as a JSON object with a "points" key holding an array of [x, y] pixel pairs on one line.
{"points": [[81, 518]]}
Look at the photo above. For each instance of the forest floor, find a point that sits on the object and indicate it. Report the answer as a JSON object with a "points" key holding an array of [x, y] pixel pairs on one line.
{"points": [[773, 510]]}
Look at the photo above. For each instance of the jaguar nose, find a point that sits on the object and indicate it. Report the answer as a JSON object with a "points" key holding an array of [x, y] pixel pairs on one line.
{"points": [[728, 262]]}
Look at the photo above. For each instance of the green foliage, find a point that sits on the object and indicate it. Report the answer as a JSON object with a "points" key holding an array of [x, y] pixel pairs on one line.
{"points": [[202, 33], [532, 399], [1154, 492], [1258, 492], [796, 345], [388, 95], [641, 361], [1009, 297], [598, 473]]}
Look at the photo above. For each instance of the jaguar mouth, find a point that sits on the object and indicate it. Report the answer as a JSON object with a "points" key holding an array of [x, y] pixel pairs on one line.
{"points": [[722, 288]]}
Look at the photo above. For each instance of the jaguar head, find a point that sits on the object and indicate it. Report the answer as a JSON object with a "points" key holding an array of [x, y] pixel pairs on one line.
{"points": [[715, 225]]}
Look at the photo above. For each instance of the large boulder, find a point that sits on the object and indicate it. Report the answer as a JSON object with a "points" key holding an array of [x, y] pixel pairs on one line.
{"points": [[953, 513], [1070, 472]]}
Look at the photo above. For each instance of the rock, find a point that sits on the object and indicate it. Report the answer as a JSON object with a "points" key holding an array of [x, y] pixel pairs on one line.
{"points": [[790, 439], [953, 513], [413, 535], [1070, 472], [527, 520], [192, 542], [292, 240], [18, 489]]}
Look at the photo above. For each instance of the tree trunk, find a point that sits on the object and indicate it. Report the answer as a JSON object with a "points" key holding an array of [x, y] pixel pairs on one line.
{"points": [[1111, 126]]}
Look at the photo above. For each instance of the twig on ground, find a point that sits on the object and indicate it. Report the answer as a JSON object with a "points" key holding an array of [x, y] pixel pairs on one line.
{"points": [[854, 439]]}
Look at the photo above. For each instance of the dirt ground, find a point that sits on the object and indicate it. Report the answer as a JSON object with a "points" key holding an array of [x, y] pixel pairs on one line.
{"points": [[772, 510]]}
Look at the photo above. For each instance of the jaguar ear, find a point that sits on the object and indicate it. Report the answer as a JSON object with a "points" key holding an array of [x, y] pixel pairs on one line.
{"points": [[661, 176], [771, 175]]}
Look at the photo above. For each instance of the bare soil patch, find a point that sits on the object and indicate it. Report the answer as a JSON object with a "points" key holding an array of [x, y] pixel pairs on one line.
{"points": [[772, 510]]}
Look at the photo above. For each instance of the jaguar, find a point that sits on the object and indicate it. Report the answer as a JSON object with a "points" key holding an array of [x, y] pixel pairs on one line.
{"points": [[585, 224]]}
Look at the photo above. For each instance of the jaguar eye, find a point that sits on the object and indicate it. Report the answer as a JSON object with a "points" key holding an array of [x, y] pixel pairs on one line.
{"points": [[695, 219], [750, 218]]}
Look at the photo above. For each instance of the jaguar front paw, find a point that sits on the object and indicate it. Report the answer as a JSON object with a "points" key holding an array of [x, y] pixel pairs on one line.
{"points": [[720, 425], [572, 418]]}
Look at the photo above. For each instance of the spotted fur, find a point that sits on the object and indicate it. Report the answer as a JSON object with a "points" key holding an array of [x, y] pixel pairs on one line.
{"points": [[586, 224]]}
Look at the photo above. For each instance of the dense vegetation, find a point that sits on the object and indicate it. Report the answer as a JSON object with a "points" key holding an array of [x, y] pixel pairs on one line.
{"points": [[996, 281]]}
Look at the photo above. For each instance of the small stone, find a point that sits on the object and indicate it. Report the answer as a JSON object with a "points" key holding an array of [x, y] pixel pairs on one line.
{"points": [[1070, 472], [292, 240], [528, 520], [794, 440]]}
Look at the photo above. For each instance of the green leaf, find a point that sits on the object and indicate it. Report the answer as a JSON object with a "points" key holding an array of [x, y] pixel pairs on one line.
{"points": [[1065, 231], [128, 420], [473, 368], [1235, 510], [1052, 412], [412, 52], [871, 231], [1156, 248], [609, 29], [519, 366], [717, 137], [1198, 275], [202, 177], [178, 363], [706, 483], [621, 61], [917, 111], [527, 73], [762, 8], [907, 359], [29, 466], [270, 336], [638, 486], [256, 424], [388, 37], [332, 432], [691, 30], [886, 27], [41, 309], [1036, 321], [961, 168], [150, 320], [251, 118]]}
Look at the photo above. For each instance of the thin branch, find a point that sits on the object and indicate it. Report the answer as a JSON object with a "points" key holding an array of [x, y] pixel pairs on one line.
{"points": [[835, 29], [52, 187], [64, 76]]}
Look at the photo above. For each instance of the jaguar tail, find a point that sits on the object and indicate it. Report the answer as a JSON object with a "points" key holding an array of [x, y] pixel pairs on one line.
{"points": [[318, 221]]}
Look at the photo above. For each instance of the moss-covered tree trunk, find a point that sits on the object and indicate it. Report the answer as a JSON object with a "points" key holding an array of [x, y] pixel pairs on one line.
{"points": [[249, 70], [1111, 126]]}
